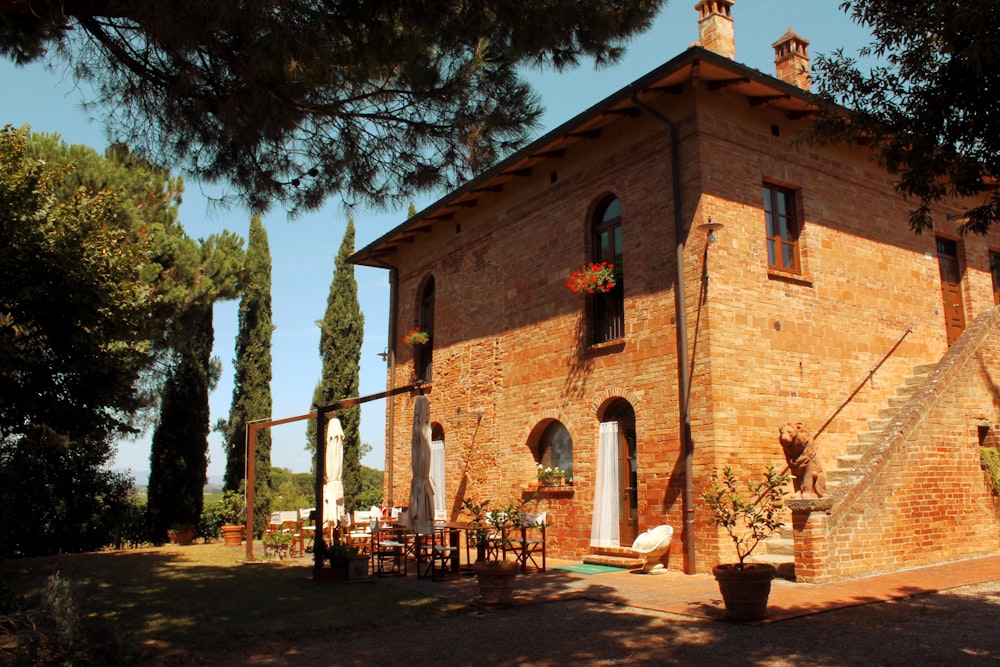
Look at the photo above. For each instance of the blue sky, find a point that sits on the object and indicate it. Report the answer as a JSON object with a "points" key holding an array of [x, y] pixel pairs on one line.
{"points": [[303, 249]]}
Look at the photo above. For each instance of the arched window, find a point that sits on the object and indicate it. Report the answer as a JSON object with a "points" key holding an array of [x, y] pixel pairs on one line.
{"points": [[555, 448], [424, 354], [608, 308]]}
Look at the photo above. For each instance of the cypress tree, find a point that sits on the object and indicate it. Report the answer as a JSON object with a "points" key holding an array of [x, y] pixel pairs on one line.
{"points": [[179, 453], [341, 334], [252, 379]]}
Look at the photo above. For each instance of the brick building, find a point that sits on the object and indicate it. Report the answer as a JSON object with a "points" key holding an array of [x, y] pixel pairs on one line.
{"points": [[645, 392]]}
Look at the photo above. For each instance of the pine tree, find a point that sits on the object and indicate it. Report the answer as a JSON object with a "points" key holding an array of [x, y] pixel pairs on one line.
{"points": [[252, 379], [341, 334], [299, 101]]}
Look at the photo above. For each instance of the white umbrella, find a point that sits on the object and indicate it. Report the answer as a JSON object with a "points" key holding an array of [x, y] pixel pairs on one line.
{"points": [[333, 490], [421, 512]]}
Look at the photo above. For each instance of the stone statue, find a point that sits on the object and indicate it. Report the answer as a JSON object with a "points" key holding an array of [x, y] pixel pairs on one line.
{"points": [[800, 453]]}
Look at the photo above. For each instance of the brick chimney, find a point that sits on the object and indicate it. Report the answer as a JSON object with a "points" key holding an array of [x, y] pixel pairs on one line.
{"points": [[791, 60], [715, 27]]}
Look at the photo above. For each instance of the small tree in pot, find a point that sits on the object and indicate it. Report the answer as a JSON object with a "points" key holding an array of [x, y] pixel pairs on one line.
{"points": [[489, 530], [748, 520]]}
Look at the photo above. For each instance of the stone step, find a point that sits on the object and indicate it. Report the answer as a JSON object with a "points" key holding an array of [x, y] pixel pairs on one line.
{"points": [[836, 476], [779, 546], [848, 461], [896, 402], [878, 425], [887, 413], [627, 562], [784, 565]]}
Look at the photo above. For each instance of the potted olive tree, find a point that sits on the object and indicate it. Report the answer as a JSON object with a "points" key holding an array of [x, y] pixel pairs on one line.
{"points": [[489, 530], [748, 520]]}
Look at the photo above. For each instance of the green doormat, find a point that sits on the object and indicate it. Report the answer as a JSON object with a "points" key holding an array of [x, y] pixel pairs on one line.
{"points": [[588, 568]]}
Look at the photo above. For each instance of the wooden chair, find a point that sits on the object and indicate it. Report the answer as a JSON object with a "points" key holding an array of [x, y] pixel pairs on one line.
{"points": [[388, 555], [437, 554], [529, 542]]}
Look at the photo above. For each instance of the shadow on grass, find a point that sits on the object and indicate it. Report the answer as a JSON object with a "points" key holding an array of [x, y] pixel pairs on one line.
{"points": [[201, 605]]}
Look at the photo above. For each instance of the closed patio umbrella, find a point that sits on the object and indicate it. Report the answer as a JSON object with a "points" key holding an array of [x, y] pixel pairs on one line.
{"points": [[333, 489], [421, 512]]}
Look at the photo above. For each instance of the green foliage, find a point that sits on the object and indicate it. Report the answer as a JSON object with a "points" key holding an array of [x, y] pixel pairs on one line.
{"points": [[922, 107], [57, 495], [230, 510], [371, 494], [751, 519], [300, 101], [991, 460], [56, 628], [336, 554], [84, 293], [179, 452], [340, 338], [292, 490], [491, 526], [252, 377]]}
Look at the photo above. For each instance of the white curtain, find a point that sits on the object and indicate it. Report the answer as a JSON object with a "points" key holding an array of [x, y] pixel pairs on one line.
{"points": [[437, 478], [604, 526]]}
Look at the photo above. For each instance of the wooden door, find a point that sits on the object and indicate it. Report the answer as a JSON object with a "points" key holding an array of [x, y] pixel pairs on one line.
{"points": [[628, 513], [951, 288]]}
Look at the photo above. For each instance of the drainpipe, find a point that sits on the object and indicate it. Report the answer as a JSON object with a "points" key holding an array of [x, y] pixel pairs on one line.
{"points": [[680, 306], [393, 298]]}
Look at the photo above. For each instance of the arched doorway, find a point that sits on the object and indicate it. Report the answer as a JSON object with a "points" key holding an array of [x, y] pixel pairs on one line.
{"points": [[621, 413], [615, 521]]}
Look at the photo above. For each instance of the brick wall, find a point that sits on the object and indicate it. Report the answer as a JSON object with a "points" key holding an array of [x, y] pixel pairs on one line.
{"points": [[509, 352], [922, 497]]}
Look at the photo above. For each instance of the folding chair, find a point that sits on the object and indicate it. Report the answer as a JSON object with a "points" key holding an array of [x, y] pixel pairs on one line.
{"points": [[436, 554], [307, 529], [388, 554], [525, 546]]}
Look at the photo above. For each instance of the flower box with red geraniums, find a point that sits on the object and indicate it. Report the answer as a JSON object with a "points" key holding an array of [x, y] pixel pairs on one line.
{"points": [[594, 278], [416, 337]]}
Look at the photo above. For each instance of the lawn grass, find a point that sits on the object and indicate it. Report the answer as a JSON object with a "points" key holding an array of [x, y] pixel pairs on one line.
{"points": [[172, 595]]}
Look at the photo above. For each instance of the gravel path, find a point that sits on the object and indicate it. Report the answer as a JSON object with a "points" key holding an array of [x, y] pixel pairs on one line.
{"points": [[957, 627]]}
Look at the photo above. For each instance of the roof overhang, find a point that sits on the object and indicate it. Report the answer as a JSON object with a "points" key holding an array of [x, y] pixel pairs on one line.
{"points": [[694, 67]]}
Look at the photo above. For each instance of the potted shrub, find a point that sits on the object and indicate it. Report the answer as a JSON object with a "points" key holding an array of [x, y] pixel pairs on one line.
{"points": [[489, 529], [340, 561], [748, 520], [232, 513], [181, 533], [278, 543]]}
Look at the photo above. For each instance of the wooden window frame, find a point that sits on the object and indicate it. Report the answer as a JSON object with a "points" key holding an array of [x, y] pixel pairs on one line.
{"points": [[779, 242]]}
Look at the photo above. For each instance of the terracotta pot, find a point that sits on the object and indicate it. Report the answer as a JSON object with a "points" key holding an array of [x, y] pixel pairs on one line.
{"points": [[745, 591], [232, 535], [496, 582], [181, 536]]}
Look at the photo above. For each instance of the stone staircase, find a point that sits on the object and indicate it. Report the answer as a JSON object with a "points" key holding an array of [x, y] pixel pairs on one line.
{"points": [[779, 550]]}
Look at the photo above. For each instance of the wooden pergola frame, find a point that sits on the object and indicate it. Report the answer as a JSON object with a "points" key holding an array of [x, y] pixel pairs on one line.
{"points": [[320, 464]]}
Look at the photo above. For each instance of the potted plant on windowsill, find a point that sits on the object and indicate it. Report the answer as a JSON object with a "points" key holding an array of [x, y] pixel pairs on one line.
{"points": [[551, 476], [416, 337], [489, 530], [594, 278], [748, 521]]}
